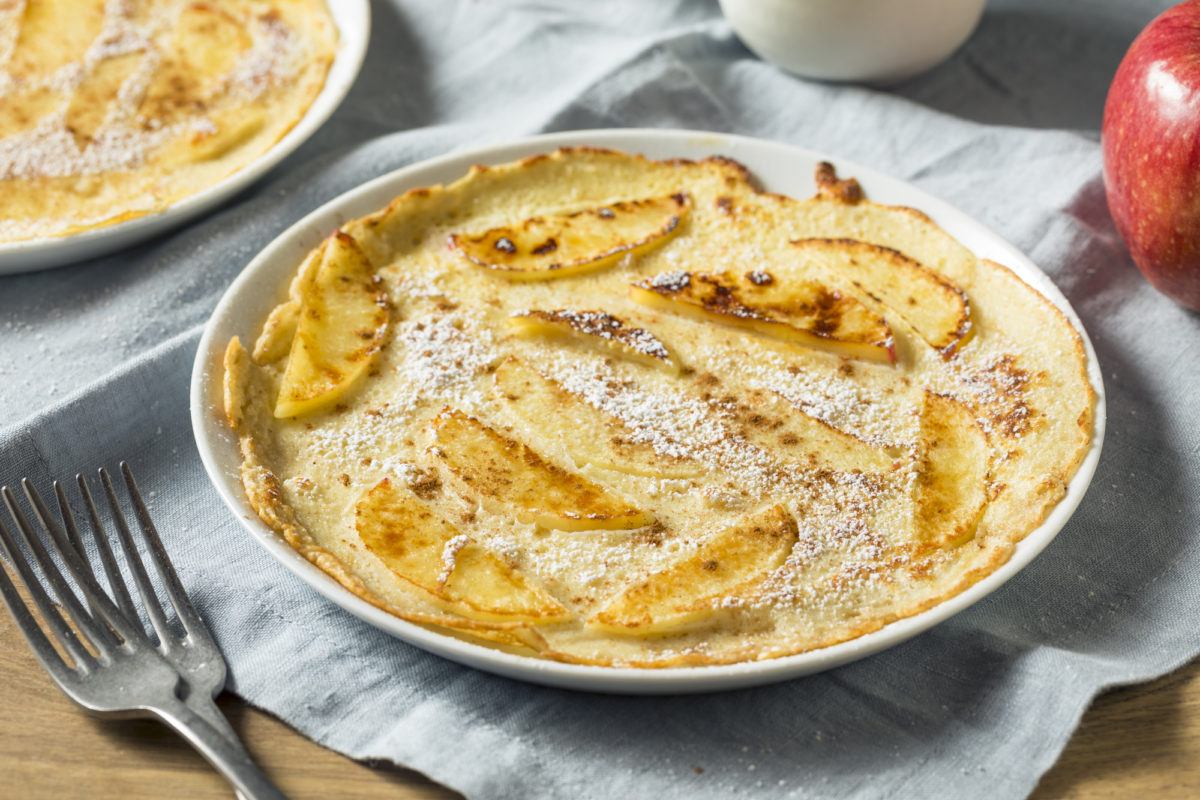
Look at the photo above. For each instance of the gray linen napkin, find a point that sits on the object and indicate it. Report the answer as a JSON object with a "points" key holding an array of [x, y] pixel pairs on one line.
{"points": [[96, 359]]}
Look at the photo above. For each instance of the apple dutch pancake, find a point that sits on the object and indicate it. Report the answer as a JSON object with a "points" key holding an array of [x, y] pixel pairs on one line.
{"points": [[113, 110], [605, 410]]}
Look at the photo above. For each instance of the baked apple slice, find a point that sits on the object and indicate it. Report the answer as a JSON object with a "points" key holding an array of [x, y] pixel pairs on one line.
{"points": [[782, 427], [275, 340], [424, 549], [802, 312], [561, 245], [509, 474], [600, 329], [690, 592], [935, 308], [952, 472], [341, 326], [588, 434], [90, 102], [205, 46], [233, 130]]}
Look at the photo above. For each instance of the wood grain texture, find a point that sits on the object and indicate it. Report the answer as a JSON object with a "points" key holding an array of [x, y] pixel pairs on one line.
{"points": [[1142, 741], [51, 749]]}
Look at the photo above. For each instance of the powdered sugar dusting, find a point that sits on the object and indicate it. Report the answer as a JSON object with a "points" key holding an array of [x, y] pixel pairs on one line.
{"points": [[274, 56], [671, 282], [675, 425], [443, 354], [842, 402], [450, 556]]}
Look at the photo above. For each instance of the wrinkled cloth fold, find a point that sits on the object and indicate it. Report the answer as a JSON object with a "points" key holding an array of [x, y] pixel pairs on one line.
{"points": [[97, 358]]}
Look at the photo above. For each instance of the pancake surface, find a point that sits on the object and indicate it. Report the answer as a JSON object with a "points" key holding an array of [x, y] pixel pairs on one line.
{"points": [[730, 426], [113, 109]]}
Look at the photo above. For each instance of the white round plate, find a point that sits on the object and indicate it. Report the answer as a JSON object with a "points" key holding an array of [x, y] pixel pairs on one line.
{"points": [[353, 20], [782, 168]]}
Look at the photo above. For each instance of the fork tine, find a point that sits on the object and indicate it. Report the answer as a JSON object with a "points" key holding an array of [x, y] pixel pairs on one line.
{"points": [[91, 627], [42, 649], [80, 570], [191, 620], [116, 582], [133, 558], [52, 617], [68, 518]]}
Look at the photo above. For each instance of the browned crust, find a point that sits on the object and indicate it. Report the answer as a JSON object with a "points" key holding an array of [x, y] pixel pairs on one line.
{"points": [[846, 191], [1055, 485], [835, 196]]}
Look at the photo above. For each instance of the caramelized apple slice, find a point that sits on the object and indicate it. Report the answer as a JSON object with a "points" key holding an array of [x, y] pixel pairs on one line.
{"points": [[342, 322], [427, 551], [508, 473], [951, 485], [688, 593], [588, 434], [560, 245], [599, 328], [935, 308], [798, 311]]}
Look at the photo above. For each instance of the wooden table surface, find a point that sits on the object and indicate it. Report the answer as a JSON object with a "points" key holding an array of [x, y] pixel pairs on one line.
{"points": [[1141, 742]]}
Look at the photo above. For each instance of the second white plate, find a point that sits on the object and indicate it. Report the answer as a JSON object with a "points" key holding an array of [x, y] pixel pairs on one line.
{"points": [[353, 20], [782, 168]]}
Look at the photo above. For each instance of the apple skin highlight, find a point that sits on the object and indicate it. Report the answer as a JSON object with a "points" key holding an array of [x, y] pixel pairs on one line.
{"points": [[1151, 142]]}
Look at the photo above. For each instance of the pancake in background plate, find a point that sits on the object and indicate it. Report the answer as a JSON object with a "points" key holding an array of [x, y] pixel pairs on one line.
{"points": [[113, 109], [606, 410]]}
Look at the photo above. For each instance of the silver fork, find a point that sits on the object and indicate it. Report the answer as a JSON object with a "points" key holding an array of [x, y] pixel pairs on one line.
{"points": [[116, 669]]}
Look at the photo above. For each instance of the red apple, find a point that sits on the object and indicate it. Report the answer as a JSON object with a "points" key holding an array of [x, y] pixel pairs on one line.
{"points": [[1151, 138]]}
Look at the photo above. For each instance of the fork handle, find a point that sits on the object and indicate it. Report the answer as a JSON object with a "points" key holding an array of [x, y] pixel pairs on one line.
{"points": [[206, 708], [228, 759]]}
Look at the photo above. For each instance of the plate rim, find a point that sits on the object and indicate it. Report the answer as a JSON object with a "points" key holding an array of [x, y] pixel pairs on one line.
{"points": [[50, 252], [209, 430]]}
